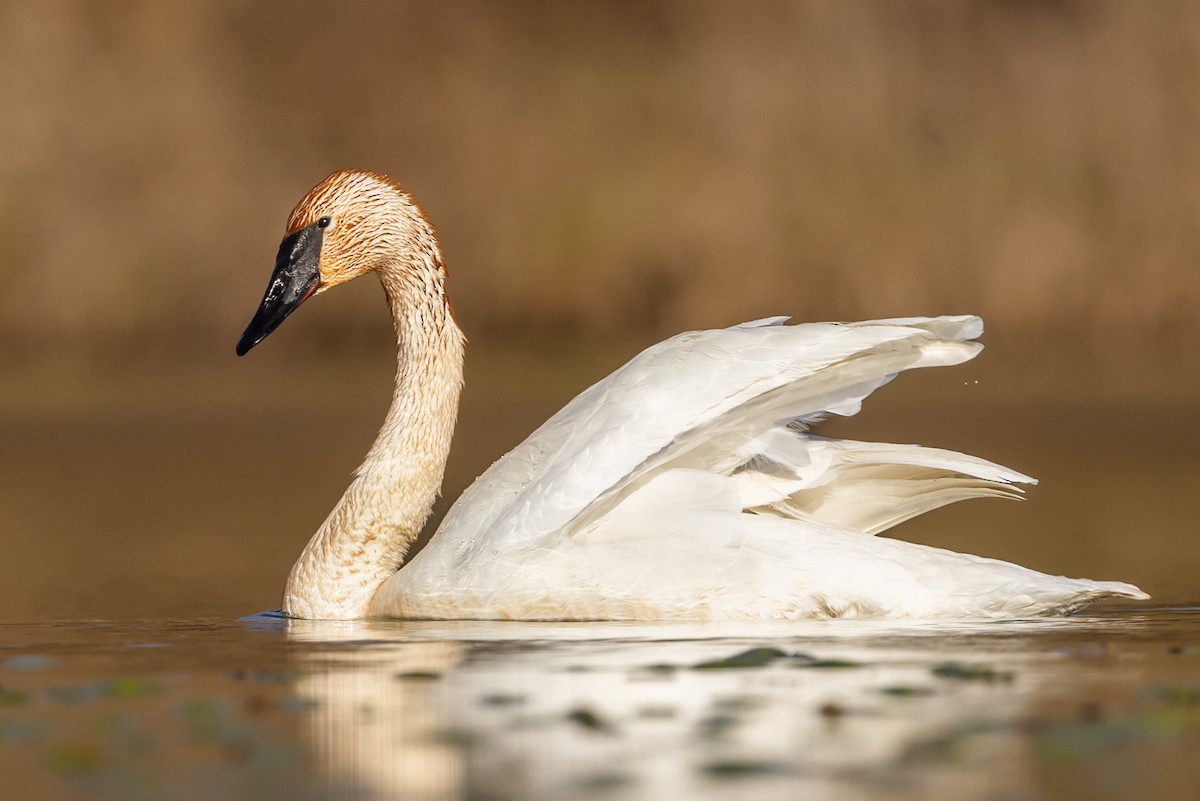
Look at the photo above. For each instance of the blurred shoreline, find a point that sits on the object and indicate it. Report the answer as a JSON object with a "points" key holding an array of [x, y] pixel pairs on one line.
{"points": [[606, 169]]}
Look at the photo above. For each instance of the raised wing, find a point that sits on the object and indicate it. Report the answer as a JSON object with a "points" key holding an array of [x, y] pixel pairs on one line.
{"points": [[705, 400]]}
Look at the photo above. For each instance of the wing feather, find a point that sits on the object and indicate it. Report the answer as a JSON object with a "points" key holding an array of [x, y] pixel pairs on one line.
{"points": [[694, 401]]}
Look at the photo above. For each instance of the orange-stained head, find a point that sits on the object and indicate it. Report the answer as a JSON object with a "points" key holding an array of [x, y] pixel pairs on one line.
{"points": [[351, 223], [367, 219]]}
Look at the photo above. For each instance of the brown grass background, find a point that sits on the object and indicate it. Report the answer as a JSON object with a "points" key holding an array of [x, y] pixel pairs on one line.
{"points": [[608, 167], [602, 174]]}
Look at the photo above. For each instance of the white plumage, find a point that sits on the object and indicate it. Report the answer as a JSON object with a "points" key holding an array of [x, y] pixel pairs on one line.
{"points": [[684, 486]]}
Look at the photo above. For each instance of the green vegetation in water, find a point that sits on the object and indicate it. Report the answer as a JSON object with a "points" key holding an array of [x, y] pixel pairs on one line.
{"points": [[1175, 696], [906, 691], [948, 746], [590, 720], [661, 669], [742, 768], [600, 782], [460, 738], [13, 697], [120, 688], [961, 672], [502, 699], [753, 658], [806, 661], [128, 687], [1092, 739]]}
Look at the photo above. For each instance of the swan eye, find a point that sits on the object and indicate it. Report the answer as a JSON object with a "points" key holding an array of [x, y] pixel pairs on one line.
{"points": [[323, 222]]}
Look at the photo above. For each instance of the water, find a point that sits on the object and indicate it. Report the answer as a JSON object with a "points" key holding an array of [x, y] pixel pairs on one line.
{"points": [[145, 513], [1093, 707]]}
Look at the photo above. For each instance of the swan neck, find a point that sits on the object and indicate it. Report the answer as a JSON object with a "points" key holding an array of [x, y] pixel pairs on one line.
{"points": [[367, 536]]}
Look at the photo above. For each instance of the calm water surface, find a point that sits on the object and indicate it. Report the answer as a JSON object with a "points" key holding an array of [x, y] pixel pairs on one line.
{"points": [[1100, 706], [184, 496]]}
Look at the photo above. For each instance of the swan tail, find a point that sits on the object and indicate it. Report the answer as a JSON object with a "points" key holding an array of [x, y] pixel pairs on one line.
{"points": [[822, 572], [1091, 591]]}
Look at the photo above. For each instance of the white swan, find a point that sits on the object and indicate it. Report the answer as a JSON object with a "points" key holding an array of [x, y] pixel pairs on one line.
{"points": [[684, 486]]}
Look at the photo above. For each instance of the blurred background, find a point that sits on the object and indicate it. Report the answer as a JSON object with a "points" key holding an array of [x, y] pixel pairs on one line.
{"points": [[602, 174]]}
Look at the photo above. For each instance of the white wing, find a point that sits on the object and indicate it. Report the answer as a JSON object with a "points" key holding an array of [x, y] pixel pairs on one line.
{"points": [[650, 480], [703, 399], [700, 397]]}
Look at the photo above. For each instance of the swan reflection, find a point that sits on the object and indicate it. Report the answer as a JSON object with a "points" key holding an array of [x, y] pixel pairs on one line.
{"points": [[453, 710]]}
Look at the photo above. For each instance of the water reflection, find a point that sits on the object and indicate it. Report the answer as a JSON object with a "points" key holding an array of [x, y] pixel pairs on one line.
{"points": [[378, 717], [562, 711]]}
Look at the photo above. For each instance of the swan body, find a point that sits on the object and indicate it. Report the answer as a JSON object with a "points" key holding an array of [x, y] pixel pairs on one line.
{"points": [[684, 486]]}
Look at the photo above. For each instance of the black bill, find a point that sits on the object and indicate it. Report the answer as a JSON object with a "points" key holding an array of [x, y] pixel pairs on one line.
{"points": [[295, 279]]}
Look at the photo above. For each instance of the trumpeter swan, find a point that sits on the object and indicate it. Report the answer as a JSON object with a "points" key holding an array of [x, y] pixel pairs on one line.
{"points": [[684, 486]]}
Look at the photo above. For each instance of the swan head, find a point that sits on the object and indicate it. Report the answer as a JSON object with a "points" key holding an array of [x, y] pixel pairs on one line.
{"points": [[349, 224]]}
